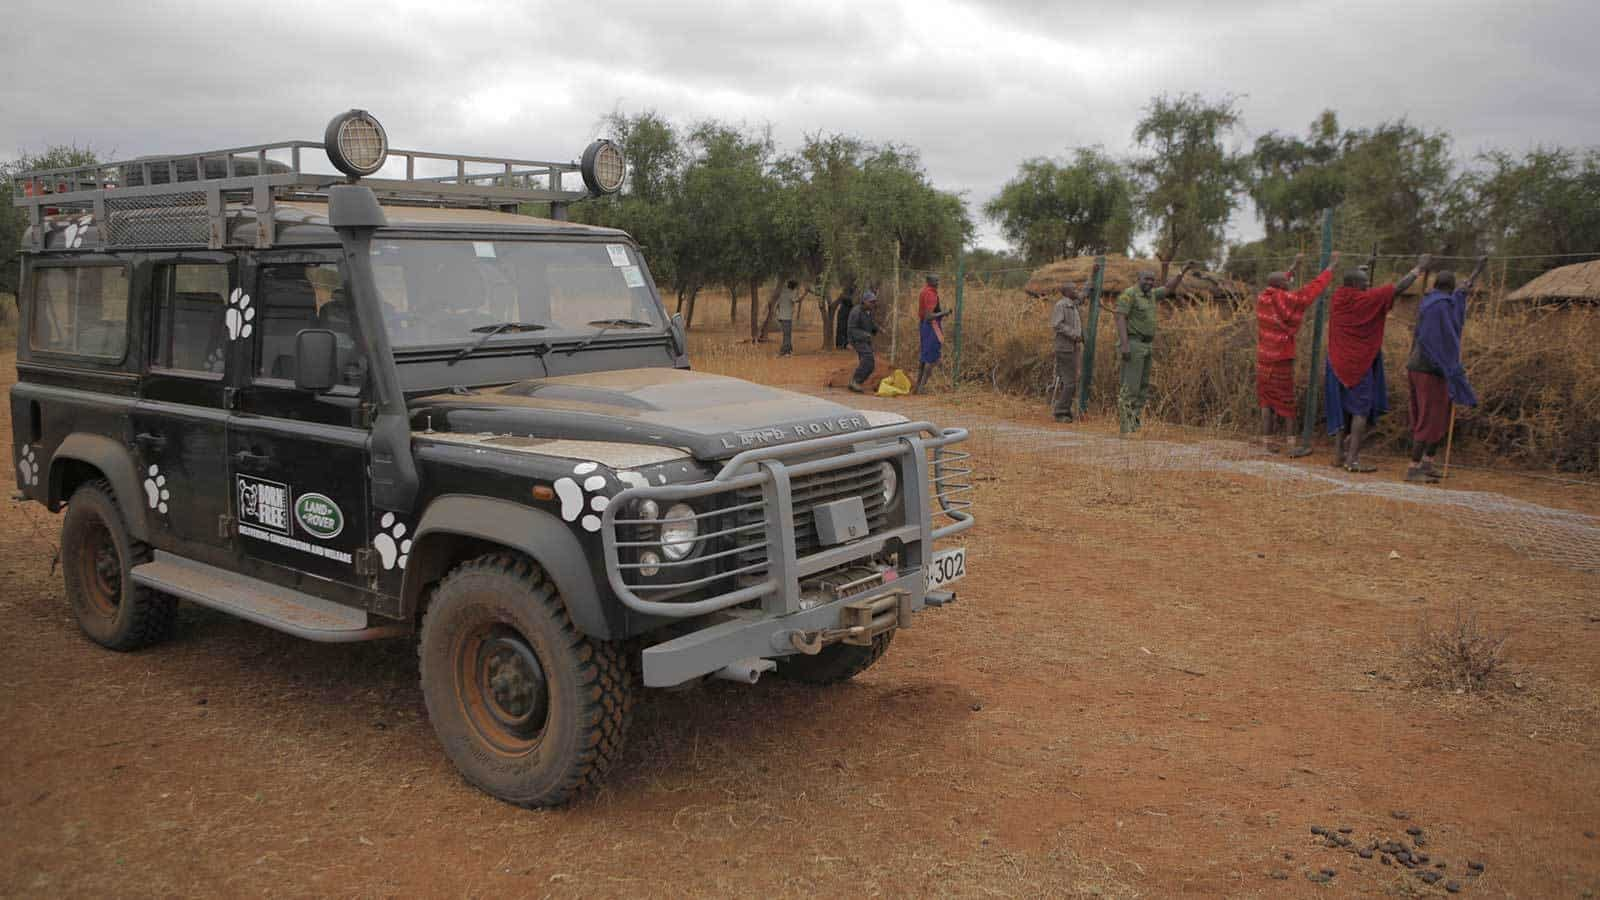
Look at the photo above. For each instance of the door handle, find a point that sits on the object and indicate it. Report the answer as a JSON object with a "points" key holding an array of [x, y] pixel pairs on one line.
{"points": [[153, 441], [247, 460]]}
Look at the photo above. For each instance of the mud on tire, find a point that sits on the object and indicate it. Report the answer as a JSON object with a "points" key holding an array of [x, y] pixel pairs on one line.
{"points": [[836, 662], [97, 559], [529, 710]]}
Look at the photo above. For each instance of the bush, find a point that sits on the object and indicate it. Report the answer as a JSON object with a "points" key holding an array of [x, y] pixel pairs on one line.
{"points": [[1458, 656]]}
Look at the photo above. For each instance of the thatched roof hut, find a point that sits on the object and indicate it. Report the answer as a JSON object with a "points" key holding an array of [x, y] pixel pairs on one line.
{"points": [[1579, 282], [1121, 274]]}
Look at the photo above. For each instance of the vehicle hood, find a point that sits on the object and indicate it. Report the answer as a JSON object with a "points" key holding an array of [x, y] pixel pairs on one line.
{"points": [[709, 416]]}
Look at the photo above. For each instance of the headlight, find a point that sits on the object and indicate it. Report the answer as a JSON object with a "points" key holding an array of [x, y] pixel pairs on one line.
{"points": [[356, 143], [679, 528], [891, 481]]}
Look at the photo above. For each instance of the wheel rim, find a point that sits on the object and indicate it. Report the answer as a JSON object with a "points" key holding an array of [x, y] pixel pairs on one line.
{"points": [[101, 568], [502, 688]]}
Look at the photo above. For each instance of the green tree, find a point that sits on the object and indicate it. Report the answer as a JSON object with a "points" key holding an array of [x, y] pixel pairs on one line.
{"points": [[1189, 181], [13, 222], [1051, 209], [1292, 180], [1547, 202]]}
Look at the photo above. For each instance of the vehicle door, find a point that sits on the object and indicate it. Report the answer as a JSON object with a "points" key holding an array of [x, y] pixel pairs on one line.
{"points": [[180, 419], [298, 459]]}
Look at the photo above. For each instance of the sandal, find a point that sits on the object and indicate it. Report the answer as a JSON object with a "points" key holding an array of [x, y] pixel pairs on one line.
{"points": [[1359, 466], [1298, 452], [1421, 476]]}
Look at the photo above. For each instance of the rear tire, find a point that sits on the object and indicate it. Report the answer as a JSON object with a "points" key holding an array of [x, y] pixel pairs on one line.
{"points": [[529, 710], [97, 560], [836, 663]]}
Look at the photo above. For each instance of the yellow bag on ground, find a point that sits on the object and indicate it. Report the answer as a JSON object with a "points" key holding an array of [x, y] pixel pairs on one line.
{"points": [[896, 385]]}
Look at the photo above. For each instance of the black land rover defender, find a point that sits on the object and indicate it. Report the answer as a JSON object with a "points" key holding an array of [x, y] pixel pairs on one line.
{"points": [[382, 404]]}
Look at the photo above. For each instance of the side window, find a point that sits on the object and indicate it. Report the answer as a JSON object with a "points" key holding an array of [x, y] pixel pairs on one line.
{"points": [[297, 296], [81, 310], [191, 333]]}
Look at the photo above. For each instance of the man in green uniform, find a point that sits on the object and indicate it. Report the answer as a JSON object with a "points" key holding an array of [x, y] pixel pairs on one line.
{"points": [[1136, 334]]}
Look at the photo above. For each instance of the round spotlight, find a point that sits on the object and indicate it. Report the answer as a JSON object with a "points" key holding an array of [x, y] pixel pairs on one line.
{"points": [[356, 143], [603, 168], [679, 529], [650, 564]]}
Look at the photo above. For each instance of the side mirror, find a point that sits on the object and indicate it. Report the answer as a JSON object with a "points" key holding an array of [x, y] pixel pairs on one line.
{"points": [[680, 336], [316, 360]]}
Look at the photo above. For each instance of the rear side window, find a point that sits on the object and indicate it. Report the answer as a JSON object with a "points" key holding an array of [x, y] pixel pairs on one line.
{"points": [[81, 310], [191, 332]]}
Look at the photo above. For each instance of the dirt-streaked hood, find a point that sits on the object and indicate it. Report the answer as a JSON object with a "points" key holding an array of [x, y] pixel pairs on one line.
{"points": [[710, 416]]}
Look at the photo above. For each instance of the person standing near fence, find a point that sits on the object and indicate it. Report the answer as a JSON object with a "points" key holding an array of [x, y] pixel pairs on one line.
{"points": [[788, 299], [1136, 337], [1437, 378], [862, 328], [1279, 312], [1067, 326], [930, 332], [1356, 389]]}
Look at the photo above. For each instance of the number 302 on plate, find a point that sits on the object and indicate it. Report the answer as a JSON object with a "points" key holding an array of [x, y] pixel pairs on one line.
{"points": [[947, 567]]}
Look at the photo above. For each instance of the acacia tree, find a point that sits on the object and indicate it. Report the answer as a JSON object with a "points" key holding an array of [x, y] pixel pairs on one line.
{"points": [[12, 220], [1547, 202], [1051, 209], [1189, 181]]}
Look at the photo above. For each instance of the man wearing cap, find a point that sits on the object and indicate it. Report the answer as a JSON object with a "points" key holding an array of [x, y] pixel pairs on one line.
{"points": [[1136, 335], [931, 332], [862, 328], [1067, 326]]}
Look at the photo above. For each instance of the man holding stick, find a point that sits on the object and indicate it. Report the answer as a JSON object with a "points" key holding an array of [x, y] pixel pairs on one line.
{"points": [[1279, 313], [1136, 335], [1357, 392], [930, 331], [1067, 326], [1434, 369]]}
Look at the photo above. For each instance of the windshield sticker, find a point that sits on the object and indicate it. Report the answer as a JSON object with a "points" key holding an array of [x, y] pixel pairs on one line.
{"points": [[633, 277], [484, 249], [619, 254]]}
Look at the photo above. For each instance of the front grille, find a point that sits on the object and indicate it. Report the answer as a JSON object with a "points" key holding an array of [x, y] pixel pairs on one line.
{"points": [[864, 481]]}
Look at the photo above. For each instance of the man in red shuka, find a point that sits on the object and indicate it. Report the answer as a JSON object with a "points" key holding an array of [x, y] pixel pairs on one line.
{"points": [[1279, 312], [1357, 393]]}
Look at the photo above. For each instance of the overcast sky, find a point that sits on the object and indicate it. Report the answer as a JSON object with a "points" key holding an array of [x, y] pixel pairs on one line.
{"points": [[977, 87]]}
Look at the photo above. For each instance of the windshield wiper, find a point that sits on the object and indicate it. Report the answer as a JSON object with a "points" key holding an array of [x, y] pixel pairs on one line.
{"points": [[607, 325], [490, 331]]}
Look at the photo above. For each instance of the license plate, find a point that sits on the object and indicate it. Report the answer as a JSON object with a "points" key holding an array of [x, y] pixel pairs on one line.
{"points": [[947, 567]]}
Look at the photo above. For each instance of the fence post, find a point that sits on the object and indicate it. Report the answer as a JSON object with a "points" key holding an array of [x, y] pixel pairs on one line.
{"points": [[961, 283], [1319, 318], [894, 310], [1089, 335]]}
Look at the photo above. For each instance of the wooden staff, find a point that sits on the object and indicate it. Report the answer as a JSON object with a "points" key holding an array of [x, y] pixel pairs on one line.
{"points": [[1450, 435]]}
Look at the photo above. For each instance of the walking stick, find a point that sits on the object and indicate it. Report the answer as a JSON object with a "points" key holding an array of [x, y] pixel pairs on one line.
{"points": [[1449, 438]]}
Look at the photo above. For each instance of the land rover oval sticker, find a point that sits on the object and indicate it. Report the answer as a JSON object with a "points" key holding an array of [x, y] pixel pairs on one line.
{"points": [[319, 516]]}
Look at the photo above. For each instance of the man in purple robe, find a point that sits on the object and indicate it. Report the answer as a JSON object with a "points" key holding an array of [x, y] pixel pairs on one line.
{"points": [[1434, 369]]}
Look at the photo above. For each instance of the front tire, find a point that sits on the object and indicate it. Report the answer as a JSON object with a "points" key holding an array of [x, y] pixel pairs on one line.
{"points": [[529, 710], [836, 663], [97, 559]]}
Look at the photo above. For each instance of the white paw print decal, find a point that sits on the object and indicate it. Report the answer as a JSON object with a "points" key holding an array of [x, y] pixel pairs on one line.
{"points": [[75, 232], [240, 314], [391, 543], [155, 489], [28, 467], [573, 502]]}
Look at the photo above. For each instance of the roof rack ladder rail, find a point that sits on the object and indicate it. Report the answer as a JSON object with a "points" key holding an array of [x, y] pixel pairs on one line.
{"points": [[265, 211], [216, 216]]}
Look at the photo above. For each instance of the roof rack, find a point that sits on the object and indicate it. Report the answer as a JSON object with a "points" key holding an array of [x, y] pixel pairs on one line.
{"points": [[182, 200]]}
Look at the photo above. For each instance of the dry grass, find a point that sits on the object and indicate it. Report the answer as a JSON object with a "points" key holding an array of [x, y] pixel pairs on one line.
{"points": [[1460, 655], [1579, 281], [1535, 370]]}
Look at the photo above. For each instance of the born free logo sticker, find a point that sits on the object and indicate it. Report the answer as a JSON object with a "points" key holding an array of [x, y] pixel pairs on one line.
{"points": [[319, 516]]}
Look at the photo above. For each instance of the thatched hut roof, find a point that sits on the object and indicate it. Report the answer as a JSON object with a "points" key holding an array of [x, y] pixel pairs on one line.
{"points": [[1579, 281], [1121, 274]]}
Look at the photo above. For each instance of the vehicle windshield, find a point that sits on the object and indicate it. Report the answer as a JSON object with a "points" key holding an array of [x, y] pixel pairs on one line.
{"points": [[457, 291]]}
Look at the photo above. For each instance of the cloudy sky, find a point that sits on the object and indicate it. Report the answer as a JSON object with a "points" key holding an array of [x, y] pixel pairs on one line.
{"points": [[976, 86]]}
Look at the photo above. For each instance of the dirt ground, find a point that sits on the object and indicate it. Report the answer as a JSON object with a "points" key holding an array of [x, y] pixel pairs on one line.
{"points": [[1154, 684]]}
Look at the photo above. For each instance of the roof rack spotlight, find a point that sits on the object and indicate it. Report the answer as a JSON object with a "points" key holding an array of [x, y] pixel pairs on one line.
{"points": [[603, 167], [356, 143]]}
